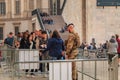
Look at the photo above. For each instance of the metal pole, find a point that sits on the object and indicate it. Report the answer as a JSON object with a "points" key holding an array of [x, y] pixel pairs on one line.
{"points": [[113, 68], [95, 70], [82, 71]]}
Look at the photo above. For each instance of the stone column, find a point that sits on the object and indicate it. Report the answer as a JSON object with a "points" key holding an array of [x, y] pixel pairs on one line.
{"points": [[39, 4], [84, 20], [8, 8], [25, 9], [45, 5], [35, 4], [12, 8], [22, 8]]}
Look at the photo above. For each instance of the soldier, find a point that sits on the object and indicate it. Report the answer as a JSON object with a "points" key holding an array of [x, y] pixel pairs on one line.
{"points": [[72, 43]]}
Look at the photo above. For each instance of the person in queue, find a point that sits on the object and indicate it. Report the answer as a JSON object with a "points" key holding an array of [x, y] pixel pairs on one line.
{"points": [[55, 46]]}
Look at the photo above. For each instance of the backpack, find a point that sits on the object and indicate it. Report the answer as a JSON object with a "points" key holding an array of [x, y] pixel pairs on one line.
{"points": [[77, 40]]}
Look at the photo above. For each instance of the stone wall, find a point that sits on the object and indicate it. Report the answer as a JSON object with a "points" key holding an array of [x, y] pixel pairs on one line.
{"points": [[24, 19], [10, 25], [72, 14], [101, 22]]}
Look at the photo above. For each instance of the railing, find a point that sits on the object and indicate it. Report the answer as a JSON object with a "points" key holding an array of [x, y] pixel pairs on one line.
{"points": [[98, 53], [16, 61]]}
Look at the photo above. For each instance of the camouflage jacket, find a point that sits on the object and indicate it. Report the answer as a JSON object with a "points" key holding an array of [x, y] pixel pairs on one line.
{"points": [[71, 43]]}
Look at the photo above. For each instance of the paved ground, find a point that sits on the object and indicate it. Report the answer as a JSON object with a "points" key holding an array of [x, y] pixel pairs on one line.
{"points": [[8, 77], [40, 77], [119, 74]]}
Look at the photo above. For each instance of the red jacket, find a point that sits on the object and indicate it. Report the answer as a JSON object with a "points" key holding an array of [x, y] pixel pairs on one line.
{"points": [[118, 49]]}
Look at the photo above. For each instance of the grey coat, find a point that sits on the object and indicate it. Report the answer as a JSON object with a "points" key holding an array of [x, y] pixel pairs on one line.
{"points": [[112, 47]]}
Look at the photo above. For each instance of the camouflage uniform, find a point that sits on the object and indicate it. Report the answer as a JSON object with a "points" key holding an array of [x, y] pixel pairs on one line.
{"points": [[71, 52]]}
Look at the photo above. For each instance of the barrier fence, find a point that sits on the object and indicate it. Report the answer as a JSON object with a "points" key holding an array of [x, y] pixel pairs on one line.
{"points": [[25, 64]]}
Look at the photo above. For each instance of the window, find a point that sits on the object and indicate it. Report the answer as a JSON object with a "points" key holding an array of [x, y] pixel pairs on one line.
{"points": [[17, 6], [33, 26], [108, 2], [31, 4], [16, 27], [1, 33], [2, 8], [16, 30]]}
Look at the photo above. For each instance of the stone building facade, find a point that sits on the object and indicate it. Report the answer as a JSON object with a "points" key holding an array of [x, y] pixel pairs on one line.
{"points": [[91, 21], [15, 15]]}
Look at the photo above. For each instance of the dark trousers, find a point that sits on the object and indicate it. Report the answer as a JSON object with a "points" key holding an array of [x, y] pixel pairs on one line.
{"points": [[110, 56], [31, 71], [40, 65]]}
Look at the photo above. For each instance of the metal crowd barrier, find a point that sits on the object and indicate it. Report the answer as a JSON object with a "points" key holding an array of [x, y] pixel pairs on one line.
{"points": [[15, 62], [91, 54], [62, 68]]}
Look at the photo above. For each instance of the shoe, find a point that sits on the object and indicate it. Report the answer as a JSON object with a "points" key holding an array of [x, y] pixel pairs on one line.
{"points": [[27, 75], [32, 76], [118, 65], [110, 69], [39, 72]]}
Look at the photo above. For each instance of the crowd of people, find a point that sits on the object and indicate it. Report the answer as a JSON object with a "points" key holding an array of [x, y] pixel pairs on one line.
{"points": [[46, 18], [56, 48], [63, 29], [28, 40], [112, 47]]}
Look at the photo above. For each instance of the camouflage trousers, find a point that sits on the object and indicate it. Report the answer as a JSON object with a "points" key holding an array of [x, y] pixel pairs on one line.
{"points": [[74, 68]]}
